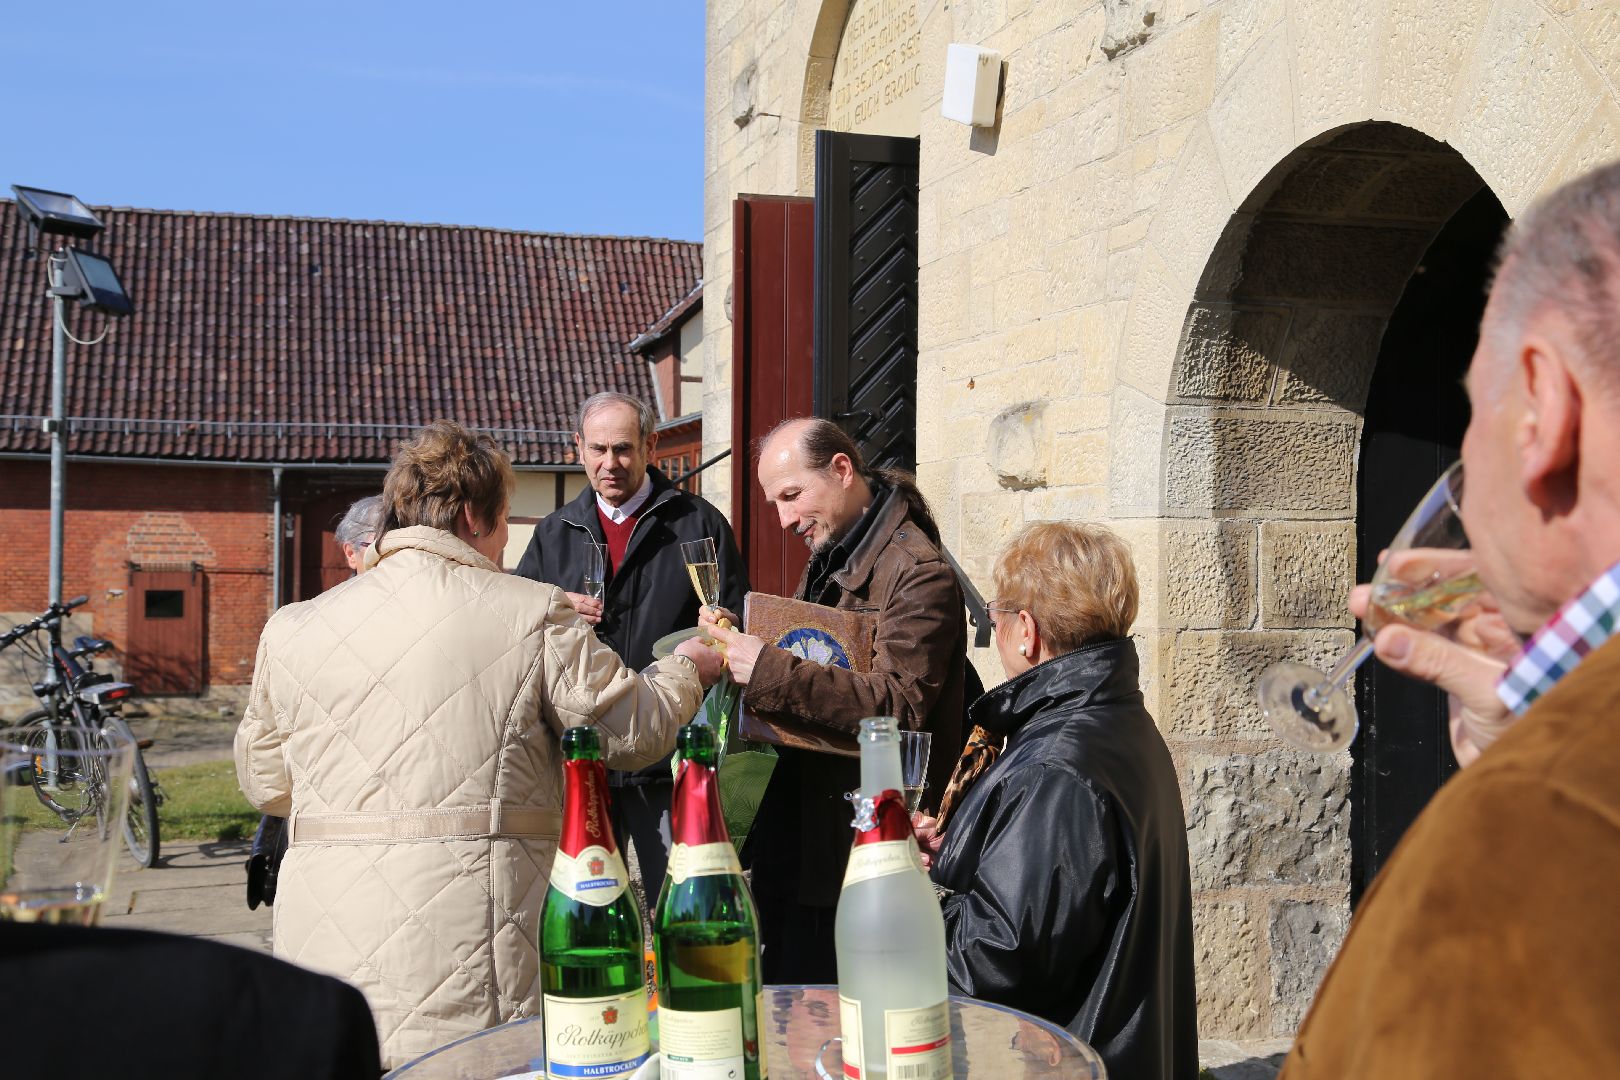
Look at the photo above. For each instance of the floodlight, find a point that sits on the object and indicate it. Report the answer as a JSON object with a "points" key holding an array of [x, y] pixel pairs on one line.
{"points": [[92, 281], [56, 212]]}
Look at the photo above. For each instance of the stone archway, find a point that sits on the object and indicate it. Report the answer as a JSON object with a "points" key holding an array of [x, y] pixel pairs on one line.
{"points": [[816, 98], [862, 74], [1254, 523]]}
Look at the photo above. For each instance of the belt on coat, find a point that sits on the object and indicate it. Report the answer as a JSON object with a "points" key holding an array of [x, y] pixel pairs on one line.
{"points": [[446, 823]]}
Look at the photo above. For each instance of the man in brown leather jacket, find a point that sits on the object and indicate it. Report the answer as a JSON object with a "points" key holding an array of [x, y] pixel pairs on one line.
{"points": [[1487, 946], [874, 546]]}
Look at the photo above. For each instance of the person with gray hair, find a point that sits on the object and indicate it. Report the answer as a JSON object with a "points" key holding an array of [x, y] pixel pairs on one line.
{"points": [[1487, 946], [358, 528], [639, 520]]}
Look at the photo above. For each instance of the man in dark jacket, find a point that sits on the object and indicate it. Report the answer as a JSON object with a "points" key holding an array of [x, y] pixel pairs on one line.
{"points": [[641, 519], [874, 547]]}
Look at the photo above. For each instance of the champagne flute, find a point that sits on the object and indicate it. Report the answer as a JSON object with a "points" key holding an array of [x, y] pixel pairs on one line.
{"points": [[595, 568], [914, 752], [703, 567], [1426, 580], [63, 791]]}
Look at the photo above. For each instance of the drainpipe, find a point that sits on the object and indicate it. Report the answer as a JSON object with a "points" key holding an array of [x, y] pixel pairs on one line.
{"points": [[275, 542]]}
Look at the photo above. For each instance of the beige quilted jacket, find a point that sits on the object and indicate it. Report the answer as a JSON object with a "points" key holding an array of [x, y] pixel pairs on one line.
{"points": [[408, 722]]}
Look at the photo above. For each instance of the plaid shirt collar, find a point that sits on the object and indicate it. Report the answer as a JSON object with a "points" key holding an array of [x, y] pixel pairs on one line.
{"points": [[1579, 627]]}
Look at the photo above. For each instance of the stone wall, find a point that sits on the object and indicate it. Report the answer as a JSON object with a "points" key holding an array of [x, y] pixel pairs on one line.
{"points": [[1152, 294]]}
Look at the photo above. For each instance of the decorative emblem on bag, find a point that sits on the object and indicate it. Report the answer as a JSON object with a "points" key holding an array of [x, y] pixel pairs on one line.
{"points": [[814, 643]]}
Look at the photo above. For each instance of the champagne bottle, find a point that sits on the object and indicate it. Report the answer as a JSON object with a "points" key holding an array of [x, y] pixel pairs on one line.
{"points": [[711, 1001], [889, 933], [592, 984]]}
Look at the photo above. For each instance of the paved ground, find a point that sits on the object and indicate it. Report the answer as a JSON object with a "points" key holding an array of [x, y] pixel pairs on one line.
{"points": [[199, 889], [196, 889]]}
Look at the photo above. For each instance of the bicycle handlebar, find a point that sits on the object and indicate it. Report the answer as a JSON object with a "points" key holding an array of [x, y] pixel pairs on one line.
{"points": [[43, 619]]}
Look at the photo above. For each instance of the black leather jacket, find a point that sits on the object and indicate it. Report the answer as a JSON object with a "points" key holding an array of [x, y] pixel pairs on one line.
{"points": [[1068, 865]]}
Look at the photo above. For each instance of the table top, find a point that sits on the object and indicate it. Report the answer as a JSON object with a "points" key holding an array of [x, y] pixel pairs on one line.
{"points": [[986, 1041]]}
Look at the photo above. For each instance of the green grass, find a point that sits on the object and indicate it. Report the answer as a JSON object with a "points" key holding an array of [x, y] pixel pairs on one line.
{"points": [[202, 802]]}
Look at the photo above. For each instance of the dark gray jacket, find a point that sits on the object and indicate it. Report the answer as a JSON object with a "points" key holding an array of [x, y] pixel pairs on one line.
{"points": [[650, 594]]}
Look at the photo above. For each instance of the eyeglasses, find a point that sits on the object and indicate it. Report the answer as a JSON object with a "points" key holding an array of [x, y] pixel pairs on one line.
{"points": [[995, 608]]}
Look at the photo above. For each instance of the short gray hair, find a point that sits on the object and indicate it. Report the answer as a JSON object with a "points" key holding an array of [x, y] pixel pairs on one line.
{"points": [[1565, 252], [646, 419], [362, 520]]}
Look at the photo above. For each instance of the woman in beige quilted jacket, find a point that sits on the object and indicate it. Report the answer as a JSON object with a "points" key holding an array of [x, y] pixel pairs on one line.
{"points": [[408, 722]]}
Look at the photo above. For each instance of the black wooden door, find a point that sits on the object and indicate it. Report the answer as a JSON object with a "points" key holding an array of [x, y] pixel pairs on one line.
{"points": [[866, 292], [1415, 417]]}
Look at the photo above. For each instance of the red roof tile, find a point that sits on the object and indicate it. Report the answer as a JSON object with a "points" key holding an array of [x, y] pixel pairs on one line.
{"points": [[265, 339]]}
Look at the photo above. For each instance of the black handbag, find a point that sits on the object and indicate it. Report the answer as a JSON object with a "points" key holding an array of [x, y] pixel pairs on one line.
{"points": [[264, 861]]}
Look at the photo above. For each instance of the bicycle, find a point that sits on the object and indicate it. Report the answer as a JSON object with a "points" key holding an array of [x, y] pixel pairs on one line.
{"points": [[79, 704]]}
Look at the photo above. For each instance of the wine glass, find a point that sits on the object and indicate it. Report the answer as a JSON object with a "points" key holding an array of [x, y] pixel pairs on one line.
{"points": [[595, 568], [1426, 580], [704, 569], [914, 751], [63, 794]]}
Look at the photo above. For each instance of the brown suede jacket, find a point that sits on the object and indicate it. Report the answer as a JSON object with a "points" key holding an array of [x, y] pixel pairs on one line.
{"points": [[920, 654], [1489, 945]]}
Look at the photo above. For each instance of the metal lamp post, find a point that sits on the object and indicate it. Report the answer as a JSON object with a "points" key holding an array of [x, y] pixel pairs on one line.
{"points": [[72, 275]]}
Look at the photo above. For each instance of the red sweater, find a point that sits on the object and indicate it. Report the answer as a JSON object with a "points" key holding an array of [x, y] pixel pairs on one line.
{"points": [[617, 536]]}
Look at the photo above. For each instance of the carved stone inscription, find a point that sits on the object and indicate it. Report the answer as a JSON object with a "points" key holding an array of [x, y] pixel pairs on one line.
{"points": [[876, 88]]}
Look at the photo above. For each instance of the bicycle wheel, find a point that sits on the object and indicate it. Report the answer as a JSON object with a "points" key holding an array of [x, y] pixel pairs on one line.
{"points": [[141, 816], [62, 790]]}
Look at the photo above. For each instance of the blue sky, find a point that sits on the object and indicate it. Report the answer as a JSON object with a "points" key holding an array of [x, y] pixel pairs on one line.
{"points": [[525, 114]]}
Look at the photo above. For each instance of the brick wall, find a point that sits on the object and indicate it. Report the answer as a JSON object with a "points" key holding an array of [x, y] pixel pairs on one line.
{"points": [[118, 514]]}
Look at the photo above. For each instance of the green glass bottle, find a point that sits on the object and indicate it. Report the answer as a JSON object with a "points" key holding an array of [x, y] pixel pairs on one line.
{"points": [[592, 984], [711, 1003]]}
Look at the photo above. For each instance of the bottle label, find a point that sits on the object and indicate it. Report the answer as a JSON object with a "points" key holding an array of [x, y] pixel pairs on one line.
{"points": [[595, 1037], [595, 876], [849, 1024], [868, 861], [702, 860], [701, 1045], [918, 1042]]}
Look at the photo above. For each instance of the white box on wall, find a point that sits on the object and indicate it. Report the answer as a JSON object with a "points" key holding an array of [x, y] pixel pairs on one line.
{"points": [[972, 81]]}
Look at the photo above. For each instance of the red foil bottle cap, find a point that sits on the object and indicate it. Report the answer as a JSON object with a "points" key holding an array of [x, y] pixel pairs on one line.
{"points": [[585, 808], [695, 816], [891, 820]]}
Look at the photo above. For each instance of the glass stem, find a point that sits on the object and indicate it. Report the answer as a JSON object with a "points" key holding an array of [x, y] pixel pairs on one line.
{"points": [[1316, 696]]}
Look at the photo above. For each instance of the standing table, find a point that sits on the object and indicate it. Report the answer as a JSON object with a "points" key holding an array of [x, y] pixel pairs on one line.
{"points": [[990, 1042]]}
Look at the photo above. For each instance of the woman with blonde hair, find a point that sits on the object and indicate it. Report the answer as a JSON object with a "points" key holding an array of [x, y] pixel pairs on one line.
{"points": [[1060, 847], [408, 721]]}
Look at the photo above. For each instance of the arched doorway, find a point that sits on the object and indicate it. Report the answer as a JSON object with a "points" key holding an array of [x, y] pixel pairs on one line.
{"points": [[1261, 454], [1411, 431]]}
